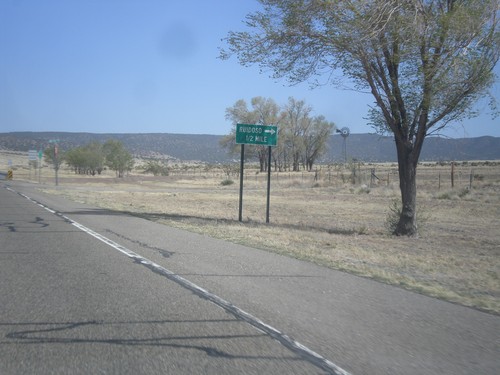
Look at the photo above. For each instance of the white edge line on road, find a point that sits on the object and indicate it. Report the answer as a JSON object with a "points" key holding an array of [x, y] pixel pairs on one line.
{"points": [[285, 340]]}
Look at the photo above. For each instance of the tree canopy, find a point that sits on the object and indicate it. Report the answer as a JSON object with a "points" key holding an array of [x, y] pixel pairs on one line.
{"points": [[87, 159], [302, 137], [117, 158], [426, 62]]}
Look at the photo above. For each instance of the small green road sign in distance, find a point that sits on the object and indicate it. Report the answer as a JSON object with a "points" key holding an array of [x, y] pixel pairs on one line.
{"points": [[265, 135]]}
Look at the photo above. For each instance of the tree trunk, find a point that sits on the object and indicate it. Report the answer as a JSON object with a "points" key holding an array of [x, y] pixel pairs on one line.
{"points": [[296, 163], [407, 225], [262, 159]]}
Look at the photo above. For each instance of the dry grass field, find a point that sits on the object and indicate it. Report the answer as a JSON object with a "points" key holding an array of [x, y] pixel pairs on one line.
{"points": [[334, 218]]}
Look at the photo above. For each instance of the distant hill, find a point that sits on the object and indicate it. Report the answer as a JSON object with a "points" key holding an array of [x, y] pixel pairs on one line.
{"points": [[375, 148], [157, 145], [206, 148]]}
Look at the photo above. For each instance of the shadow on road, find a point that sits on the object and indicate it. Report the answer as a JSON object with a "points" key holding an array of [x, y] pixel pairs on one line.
{"points": [[100, 332]]}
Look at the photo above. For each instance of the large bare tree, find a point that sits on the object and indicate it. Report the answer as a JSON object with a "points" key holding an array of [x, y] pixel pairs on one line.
{"points": [[301, 137], [426, 62], [304, 137], [298, 120], [264, 111]]}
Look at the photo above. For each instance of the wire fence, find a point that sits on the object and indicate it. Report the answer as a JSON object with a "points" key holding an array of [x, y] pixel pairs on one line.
{"points": [[432, 176]]}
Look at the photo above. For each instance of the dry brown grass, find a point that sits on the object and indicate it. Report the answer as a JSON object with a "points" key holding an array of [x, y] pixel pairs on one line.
{"points": [[334, 223]]}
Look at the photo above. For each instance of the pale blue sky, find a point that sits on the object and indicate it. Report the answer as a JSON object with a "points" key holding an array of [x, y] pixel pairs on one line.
{"points": [[146, 66]]}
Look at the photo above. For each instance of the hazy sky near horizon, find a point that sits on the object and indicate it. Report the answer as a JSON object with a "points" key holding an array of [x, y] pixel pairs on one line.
{"points": [[148, 66]]}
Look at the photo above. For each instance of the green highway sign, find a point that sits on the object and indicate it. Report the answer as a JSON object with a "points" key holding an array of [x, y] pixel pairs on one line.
{"points": [[265, 135]]}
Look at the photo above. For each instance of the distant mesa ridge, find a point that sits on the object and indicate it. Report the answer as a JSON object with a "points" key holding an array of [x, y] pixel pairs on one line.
{"points": [[206, 148]]}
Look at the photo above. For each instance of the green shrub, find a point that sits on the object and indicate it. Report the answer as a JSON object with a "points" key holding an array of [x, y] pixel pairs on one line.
{"points": [[463, 193], [362, 230], [445, 195], [227, 182], [363, 190], [392, 219], [157, 168]]}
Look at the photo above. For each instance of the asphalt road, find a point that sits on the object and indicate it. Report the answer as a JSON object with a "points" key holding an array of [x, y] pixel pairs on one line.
{"points": [[85, 290]]}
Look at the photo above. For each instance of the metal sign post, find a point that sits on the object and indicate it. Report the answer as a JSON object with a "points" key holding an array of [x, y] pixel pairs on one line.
{"points": [[56, 160], [40, 155], [268, 185], [31, 158], [264, 135], [242, 163]]}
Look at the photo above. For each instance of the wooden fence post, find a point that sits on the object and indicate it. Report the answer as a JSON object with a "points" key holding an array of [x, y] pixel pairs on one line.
{"points": [[452, 174]]}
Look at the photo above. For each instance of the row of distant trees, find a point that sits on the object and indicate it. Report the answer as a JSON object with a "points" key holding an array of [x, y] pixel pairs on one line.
{"points": [[92, 158], [302, 137]]}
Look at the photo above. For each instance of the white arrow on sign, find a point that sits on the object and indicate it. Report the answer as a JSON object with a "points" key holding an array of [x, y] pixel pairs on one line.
{"points": [[272, 131]]}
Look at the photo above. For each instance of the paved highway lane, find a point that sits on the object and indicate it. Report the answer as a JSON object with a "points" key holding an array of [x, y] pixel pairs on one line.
{"points": [[71, 304], [362, 326]]}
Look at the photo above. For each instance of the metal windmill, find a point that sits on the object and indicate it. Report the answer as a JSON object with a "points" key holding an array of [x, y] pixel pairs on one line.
{"points": [[344, 132]]}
